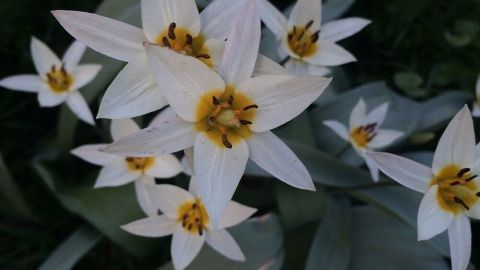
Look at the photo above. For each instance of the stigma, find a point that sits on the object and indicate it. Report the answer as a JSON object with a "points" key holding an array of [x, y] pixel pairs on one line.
{"points": [[302, 40]]}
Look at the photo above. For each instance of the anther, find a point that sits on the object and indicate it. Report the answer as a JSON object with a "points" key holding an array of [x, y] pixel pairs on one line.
{"points": [[184, 223], [309, 24], [63, 71], [129, 159], [294, 32], [171, 31], [53, 68], [456, 183], [215, 101], [137, 166], [471, 178], [478, 194], [211, 120], [370, 127], [190, 227], [185, 216], [314, 37], [203, 55], [166, 43], [253, 106], [462, 172], [189, 39], [290, 37], [194, 206], [226, 142], [371, 137], [200, 230], [245, 122], [458, 200], [230, 100]]}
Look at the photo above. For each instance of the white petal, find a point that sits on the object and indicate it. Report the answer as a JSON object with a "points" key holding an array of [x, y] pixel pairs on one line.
{"points": [[372, 167], [280, 98], [384, 138], [223, 242], [185, 247], [273, 18], [377, 115], [154, 226], [266, 66], [84, 74], [457, 144], [90, 154], [25, 83], [406, 172], [219, 17], [304, 11], [338, 128], [193, 185], [242, 46], [432, 219], [79, 106], [184, 79], [132, 93], [460, 238], [475, 111], [337, 30], [235, 214], [297, 67], [107, 36], [122, 128], [157, 15], [474, 211], [165, 166], [72, 56], [143, 197], [218, 171], [43, 57], [318, 70], [330, 54], [476, 165], [215, 49], [47, 98], [274, 156], [357, 116], [168, 198], [115, 173], [171, 135], [187, 162]]}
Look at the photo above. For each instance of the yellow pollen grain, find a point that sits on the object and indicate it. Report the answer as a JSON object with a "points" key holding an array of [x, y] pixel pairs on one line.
{"points": [[193, 217], [137, 164], [59, 80]]}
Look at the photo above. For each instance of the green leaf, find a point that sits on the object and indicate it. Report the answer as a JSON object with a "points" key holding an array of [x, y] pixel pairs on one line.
{"points": [[331, 245], [260, 239], [410, 83], [333, 9], [72, 249]]}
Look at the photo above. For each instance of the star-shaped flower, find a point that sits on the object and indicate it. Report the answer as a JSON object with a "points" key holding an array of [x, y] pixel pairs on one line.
{"points": [[451, 186], [185, 216], [364, 133], [309, 46], [118, 170], [174, 24], [227, 117], [58, 80]]}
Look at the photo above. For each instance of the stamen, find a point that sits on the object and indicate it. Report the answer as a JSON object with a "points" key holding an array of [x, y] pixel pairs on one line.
{"points": [[456, 183], [190, 227], [189, 39], [200, 230], [309, 24], [215, 101], [478, 194], [166, 43], [194, 206], [301, 35], [54, 68], [253, 106], [230, 100], [203, 55], [184, 223], [462, 172], [171, 31], [245, 122], [290, 37], [458, 200], [314, 37], [226, 142], [63, 71], [370, 127], [129, 159], [371, 137], [294, 32], [471, 178]]}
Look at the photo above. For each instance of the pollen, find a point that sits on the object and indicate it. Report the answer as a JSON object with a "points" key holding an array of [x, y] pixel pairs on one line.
{"points": [[457, 190], [180, 40], [136, 164], [193, 217], [225, 116], [302, 40], [59, 80], [362, 135]]}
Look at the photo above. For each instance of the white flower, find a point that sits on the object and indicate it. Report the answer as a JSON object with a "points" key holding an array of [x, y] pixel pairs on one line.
{"points": [[57, 80], [364, 132], [476, 105], [185, 217], [451, 186], [226, 118], [309, 46], [118, 170], [175, 24]]}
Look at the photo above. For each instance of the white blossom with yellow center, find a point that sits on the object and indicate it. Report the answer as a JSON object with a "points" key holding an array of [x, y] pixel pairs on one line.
{"points": [[451, 186], [185, 217], [174, 24], [120, 170], [308, 46], [476, 103], [364, 133], [226, 117], [58, 80]]}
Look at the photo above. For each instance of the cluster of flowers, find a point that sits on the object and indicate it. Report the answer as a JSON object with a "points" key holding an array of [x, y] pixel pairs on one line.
{"points": [[223, 99]]}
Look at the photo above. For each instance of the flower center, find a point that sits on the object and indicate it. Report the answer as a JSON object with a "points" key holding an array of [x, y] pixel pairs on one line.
{"points": [[193, 216], [362, 135], [302, 41], [180, 40], [59, 80], [136, 164], [225, 117], [456, 189]]}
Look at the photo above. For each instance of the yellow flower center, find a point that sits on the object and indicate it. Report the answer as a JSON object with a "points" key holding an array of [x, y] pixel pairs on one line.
{"points": [[302, 41], [225, 116], [59, 80], [137, 164], [180, 40], [456, 189], [193, 217], [362, 135]]}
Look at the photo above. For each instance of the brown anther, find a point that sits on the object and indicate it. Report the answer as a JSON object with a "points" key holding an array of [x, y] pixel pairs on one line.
{"points": [[171, 31], [460, 201], [184, 223], [185, 217], [197, 220], [166, 43], [54, 68], [245, 122], [471, 178], [63, 71], [137, 166], [370, 127], [189, 39], [456, 183], [370, 138], [215, 101], [314, 37], [204, 56], [462, 172], [194, 206], [253, 106], [309, 24], [226, 142], [294, 32], [290, 37], [230, 100], [129, 159], [478, 194], [301, 35], [50, 77], [200, 230], [190, 227]]}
